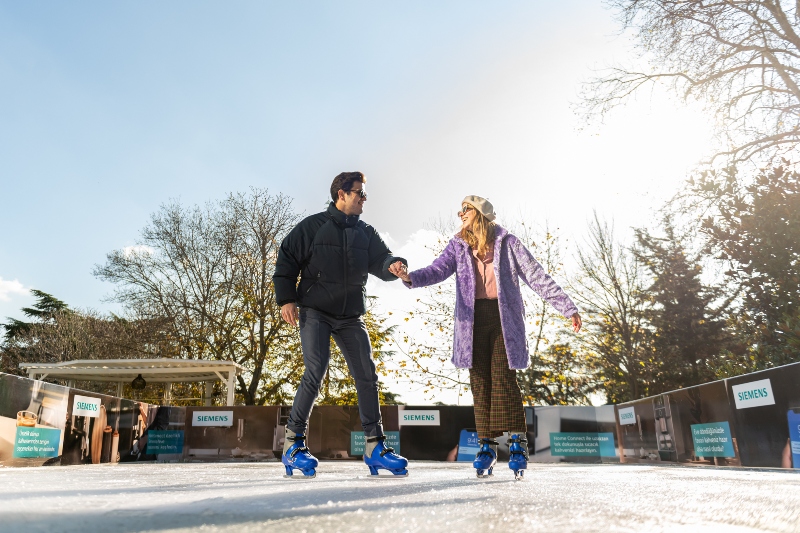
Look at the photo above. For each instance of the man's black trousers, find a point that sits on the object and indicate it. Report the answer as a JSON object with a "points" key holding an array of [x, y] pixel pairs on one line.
{"points": [[350, 334]]}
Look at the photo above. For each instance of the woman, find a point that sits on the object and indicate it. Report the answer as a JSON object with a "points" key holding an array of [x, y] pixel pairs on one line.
{"points": [[490, 322]]}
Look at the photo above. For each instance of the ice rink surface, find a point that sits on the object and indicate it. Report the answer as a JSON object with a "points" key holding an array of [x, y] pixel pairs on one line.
{"points": [[441, 497]]}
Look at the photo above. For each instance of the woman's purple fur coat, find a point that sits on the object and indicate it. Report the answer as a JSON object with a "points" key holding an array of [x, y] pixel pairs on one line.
{"points": [[511, 261]]}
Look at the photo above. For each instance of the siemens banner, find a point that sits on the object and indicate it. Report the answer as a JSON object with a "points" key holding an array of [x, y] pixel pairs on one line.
{"points": [[212, 418], [627, 416], [753, 394], [419, 418], [86, 406]]}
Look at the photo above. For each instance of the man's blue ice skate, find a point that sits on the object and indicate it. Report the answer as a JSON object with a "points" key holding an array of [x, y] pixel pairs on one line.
{"points": [[485, 459], [383, 457], [518, 456], [297, 457]]}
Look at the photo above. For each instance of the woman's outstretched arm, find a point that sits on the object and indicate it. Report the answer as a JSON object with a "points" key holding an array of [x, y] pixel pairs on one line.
{"points": [[542, 283], [442, 268]]}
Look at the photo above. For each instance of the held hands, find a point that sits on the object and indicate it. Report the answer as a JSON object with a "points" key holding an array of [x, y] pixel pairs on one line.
{"points": [[400, 270], [289, 313], [576, 322]]}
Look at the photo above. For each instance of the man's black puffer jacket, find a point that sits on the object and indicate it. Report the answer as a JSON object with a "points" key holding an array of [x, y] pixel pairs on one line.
{"points": [[333, 253]]}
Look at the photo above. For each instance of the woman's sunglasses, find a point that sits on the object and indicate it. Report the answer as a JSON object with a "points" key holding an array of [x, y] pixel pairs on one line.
{"points": [[465, 208]]}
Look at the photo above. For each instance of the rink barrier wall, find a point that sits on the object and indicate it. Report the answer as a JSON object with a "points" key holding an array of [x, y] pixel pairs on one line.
{"points": [[43, 423], [751, 420]]}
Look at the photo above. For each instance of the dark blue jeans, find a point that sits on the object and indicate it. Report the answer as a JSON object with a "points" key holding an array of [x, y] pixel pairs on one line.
{"points": [[350, 334]]}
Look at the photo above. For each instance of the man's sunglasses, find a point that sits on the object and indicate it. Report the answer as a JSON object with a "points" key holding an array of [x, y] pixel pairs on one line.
{"points": [[359, 192]]}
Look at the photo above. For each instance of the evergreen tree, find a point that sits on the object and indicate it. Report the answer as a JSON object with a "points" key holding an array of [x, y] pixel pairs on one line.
{"points": [[608, 288], [689, 332], [43, 310], [755, 230], [17, 342]]}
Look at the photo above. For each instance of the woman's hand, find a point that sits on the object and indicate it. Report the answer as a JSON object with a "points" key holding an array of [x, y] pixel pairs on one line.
{"points": [[576, 322], [400, 270]]}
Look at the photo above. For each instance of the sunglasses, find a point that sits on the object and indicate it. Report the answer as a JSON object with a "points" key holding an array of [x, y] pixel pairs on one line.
{"points": [[465, 208], [359, 192]]}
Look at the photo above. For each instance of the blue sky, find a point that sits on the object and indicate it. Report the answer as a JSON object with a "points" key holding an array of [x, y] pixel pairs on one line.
{"points": [[109, 109]]}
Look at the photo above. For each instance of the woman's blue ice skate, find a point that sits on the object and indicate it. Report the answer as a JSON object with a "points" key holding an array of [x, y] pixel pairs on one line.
{"points": [[485, 459], [518, 456], [383, 457], [297, 457]]}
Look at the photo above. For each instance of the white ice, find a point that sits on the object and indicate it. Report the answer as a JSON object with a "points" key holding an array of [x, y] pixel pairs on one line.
{"points": [[441, 497]]}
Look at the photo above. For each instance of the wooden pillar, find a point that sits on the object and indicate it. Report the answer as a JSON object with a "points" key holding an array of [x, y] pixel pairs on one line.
{"points": [[231, 386], [167, 393], [208, 393]]}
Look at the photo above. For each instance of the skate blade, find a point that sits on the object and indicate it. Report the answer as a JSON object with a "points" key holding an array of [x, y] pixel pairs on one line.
{"points": [[300, 477], [520, 476], [484, 476], [384, 477]]}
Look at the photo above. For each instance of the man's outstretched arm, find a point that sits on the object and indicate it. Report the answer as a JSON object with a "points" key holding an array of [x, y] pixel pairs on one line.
{"points": [[380, 257]]}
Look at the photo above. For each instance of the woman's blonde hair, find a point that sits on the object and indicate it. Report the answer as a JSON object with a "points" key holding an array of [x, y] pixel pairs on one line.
{"points": [[480, 235]]}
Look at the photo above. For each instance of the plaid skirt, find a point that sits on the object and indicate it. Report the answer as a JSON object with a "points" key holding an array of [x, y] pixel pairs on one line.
{"points": [[495, 391]]}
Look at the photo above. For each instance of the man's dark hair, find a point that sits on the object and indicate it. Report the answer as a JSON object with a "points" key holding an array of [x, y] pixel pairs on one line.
{"points": [[344, 182]]}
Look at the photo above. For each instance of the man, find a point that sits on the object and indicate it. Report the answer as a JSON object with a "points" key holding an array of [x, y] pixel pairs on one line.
{"points": [[333, 252]]}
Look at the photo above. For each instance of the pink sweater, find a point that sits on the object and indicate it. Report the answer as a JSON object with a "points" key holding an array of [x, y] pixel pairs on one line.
{"points": [[485, 283]]}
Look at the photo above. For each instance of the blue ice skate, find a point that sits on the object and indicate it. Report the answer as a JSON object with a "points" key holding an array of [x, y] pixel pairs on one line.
{"points": [[383, 457], [297, 457], [485, 459], [518, 456]]}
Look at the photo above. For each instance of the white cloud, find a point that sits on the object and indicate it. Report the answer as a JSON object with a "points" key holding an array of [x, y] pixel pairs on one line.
{"points": [[394, 302], [11, 287], [388, 240], [418, 251]]}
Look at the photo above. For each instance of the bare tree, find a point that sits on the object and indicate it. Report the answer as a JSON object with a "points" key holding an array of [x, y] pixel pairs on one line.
{"points": [[59, 333], [209, 271], [739, 59], [609, 287], [558, 374], [265, 344], [426, 344], [72, 334]]}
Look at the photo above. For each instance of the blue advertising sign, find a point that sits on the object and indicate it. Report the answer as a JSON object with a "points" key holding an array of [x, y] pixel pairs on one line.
{"points": [[164, 441], [358, 441], [582, 444], [468, 445], [793, 416], [36, 442], [712, 440]]}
